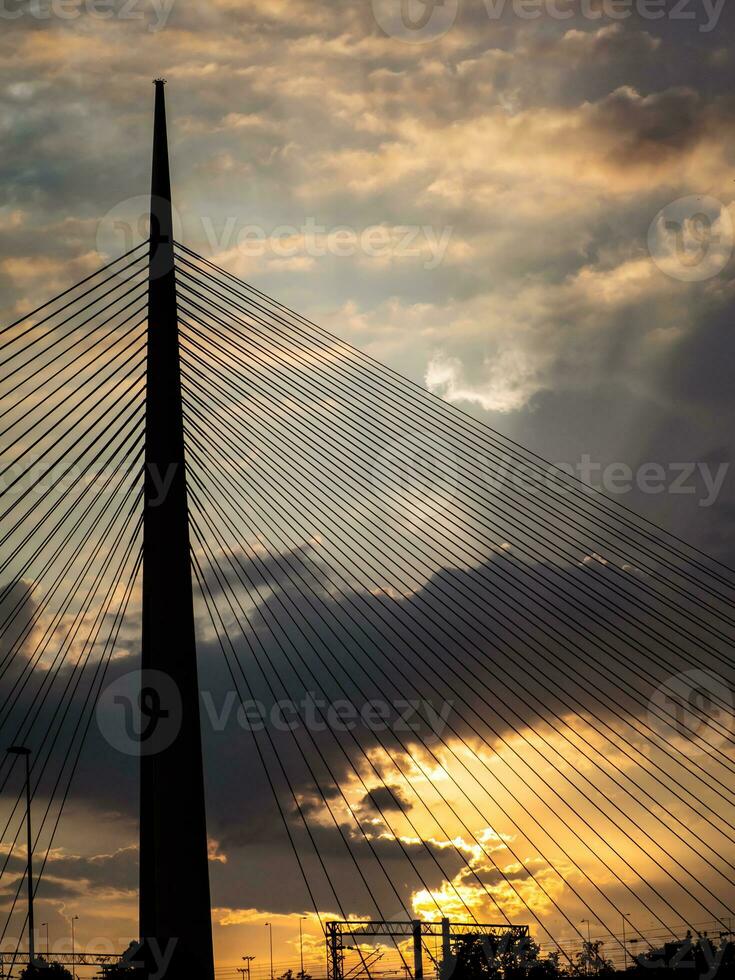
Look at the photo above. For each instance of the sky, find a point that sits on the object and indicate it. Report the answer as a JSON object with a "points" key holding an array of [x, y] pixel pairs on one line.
{"points": [[525, 207]]}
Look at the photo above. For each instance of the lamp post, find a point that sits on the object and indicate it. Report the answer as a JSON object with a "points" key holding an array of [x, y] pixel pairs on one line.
{"points": [[21, 750], [589, 947], [45, 925], [269, 927], [301, 945], [247, 960], [624, 916], [74, 918]]}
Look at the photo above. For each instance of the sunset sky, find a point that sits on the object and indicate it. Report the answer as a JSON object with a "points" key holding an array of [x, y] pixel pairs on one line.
{"points": [[481, 204]]}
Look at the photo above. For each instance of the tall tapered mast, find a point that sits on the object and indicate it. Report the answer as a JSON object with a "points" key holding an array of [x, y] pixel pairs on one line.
{"points": [[175, 910]]}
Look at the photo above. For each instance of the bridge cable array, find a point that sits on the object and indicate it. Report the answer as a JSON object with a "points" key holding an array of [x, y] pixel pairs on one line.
{"points": [[72, 420], [357, 541], [548, 616]]}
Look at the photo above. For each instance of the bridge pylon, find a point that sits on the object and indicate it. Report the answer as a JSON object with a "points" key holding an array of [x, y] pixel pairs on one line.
{"points": [[175, 908]]}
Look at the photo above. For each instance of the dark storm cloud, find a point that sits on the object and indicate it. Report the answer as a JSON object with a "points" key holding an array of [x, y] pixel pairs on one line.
{"points": [[264, 571], [17, 608], [118, 870], [429, 865], [388, 798], [513, 675], [243, 822], [69, 877], [654, 127], [493, 877], [109, 786]]}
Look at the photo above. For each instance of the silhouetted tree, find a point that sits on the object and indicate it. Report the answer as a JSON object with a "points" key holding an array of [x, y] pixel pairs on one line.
{"points": [[502, 958], [591, 960], [471, 960], [45, 971], [290, 975], [120, 971]]}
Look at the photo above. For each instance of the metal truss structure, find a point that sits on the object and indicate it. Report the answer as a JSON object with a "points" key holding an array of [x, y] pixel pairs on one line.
{"points": [[339, 931]]}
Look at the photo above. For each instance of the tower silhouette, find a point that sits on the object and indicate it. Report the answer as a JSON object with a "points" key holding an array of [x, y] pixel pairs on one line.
{"points": [[175, 909]]}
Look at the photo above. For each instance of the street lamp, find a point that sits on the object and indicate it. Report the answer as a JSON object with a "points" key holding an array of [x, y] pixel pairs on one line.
{"points": [[301, 945], [624, 916], [74, 918], [589, 947], [21, 750], [45, 925], [269, 927]]}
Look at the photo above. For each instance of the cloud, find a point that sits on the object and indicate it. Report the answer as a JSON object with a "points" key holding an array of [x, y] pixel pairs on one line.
{"points": [[388, 798], [508, 383]]}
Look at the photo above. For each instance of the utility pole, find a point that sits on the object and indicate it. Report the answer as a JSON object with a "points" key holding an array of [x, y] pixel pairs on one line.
{"points": [[589, 946], [624, 916], [418, 964], [446, 966], [247, 960], [269, 927], [175, 909], [73, 947], [301, 945], [21, 750]]}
